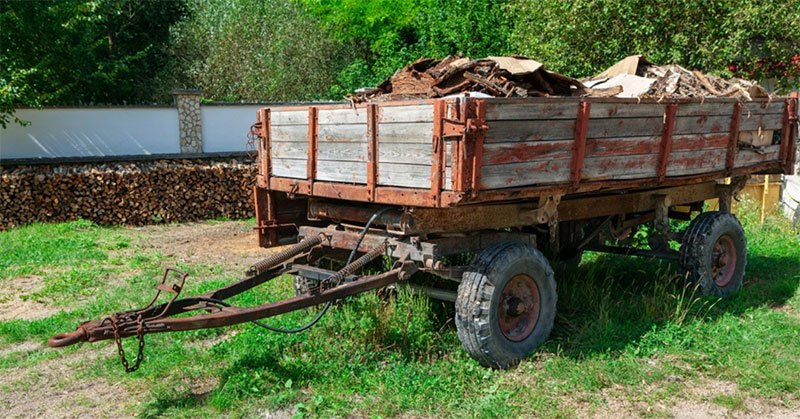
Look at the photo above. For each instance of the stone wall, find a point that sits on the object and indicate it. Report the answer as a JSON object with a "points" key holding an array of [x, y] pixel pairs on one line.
{"points": [[135, 193], [189, 121]]}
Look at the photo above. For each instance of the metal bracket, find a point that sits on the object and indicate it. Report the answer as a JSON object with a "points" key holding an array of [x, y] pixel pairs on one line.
{"points": [[661, 221]]}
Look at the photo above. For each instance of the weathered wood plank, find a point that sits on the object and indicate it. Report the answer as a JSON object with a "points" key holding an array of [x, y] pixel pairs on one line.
{"points": [[544, 130], [410, 132], [405, 175], [754, 122], [748, 157], [503, 153], [345, 172], [774, 107], [695, 162], [280, 117], [510, 175], [406, 153], [293, 168], [289, 150], [342, 133], [702, 124], [699, 142], [620, 167], [597, 147], [342, 116], [405, 114], [531, 111], [297, 133], [705, 109], [627, 110], [352, 152], [625, 127]]}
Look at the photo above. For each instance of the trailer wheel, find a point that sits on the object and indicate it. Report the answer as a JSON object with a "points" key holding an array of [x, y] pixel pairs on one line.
{"points": [[714, 253], [506, 304]]}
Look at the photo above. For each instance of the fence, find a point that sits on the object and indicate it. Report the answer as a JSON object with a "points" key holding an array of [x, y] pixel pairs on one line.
{"points": [[189, 127]]}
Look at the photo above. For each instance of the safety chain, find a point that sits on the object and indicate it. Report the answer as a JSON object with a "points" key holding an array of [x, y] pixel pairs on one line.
{"points": [[121, 350]]}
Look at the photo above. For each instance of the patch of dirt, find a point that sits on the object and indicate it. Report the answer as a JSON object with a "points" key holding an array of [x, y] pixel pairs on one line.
{"points": [[231, 245], [52, 389], [17, 302], [20, 348], [697, 399]]}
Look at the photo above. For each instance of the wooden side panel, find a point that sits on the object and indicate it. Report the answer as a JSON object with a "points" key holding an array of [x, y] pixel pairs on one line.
{"points": [[289, 143], [539, 172], [405, 147], [748, 157], [620, 167], [342, 145], [532, 130], [293, 168]]}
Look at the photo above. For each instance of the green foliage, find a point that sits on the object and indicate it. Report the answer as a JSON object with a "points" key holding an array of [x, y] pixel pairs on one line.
{"points": [[82, 51], [255, 50], [388, 34], [583, 37]]}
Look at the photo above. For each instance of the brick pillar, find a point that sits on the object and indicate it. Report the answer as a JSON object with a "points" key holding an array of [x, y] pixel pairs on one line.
{"points": [[189, 124]]}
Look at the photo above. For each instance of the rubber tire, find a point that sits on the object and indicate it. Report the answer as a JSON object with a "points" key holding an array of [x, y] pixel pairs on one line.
{"points": [[698, 245], [479, 296]]}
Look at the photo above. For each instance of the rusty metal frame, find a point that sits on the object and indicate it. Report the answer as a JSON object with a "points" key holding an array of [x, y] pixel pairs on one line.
{"points": [[579, 144], [665, 148], [439, 149], [373, 117], [789, 134], [313, 149], [733, 140]]}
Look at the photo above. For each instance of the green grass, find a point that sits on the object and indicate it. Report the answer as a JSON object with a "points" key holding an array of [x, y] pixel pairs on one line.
{"points": [[627, 328]]}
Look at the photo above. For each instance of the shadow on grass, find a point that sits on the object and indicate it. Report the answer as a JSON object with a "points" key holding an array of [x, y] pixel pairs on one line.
{"points": [[611, 302]]}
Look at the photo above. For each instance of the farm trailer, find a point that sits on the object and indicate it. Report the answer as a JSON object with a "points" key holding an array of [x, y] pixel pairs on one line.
{"points": [[518, 185]]}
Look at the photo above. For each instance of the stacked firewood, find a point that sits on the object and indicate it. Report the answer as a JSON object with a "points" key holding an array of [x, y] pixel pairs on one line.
{"points": [[127, 193]]}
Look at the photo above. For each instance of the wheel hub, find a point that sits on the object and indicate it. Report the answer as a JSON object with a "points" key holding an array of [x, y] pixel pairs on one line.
{"points": [[519, 308], [723, 260]]}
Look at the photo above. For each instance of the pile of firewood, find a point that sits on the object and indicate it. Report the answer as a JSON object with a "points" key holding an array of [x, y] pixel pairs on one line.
{"points": [[514, 76], [493, 76], [133, 193], [638, 78]]}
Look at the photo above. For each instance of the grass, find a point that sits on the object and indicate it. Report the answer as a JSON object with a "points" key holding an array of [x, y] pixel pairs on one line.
{"points": [[628, 331]]}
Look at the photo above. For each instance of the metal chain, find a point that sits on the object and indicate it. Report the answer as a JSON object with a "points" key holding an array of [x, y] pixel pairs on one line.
{"points": [[121, 350]]}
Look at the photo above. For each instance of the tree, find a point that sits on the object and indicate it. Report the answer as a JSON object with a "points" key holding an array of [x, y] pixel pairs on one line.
{"points": [[582, 37], [82, 51]]}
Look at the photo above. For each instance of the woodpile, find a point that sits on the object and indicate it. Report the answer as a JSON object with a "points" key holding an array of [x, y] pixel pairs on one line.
{"points": [[640, 79], [493, 76], [515, 76], [132, 193]]}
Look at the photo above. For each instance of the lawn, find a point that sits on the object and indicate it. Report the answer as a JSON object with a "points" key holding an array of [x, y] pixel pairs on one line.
{"points": [[630, 339]]}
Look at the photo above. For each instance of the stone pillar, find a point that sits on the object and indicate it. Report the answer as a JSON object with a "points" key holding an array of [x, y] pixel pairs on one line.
{"points": [[189, 124]]}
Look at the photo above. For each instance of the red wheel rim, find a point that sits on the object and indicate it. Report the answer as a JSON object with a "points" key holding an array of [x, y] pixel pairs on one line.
{"points": [[519, 308], [723, 261]]}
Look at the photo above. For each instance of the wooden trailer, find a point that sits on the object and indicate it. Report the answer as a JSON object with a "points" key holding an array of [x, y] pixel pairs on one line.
{"points": [[522, 185]]}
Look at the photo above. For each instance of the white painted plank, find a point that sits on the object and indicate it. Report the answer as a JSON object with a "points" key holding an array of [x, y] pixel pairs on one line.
{"points": [[292, 168], [404, 175], [353, 152], [289, 150], [278, 117], [405, 114], [342, 116], [410, 132], [345, 172], [342, 133], [297, 133]]}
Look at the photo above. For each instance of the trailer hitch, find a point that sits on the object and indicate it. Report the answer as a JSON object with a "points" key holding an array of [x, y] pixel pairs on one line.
{"points": [[215, 312]]}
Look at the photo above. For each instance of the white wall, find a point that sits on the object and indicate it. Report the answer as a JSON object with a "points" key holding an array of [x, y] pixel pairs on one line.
{"points": [[225, 127], [91, 132]]}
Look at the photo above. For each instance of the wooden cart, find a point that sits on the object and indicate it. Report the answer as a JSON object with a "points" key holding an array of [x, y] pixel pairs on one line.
{"points": [[521, 184]]}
